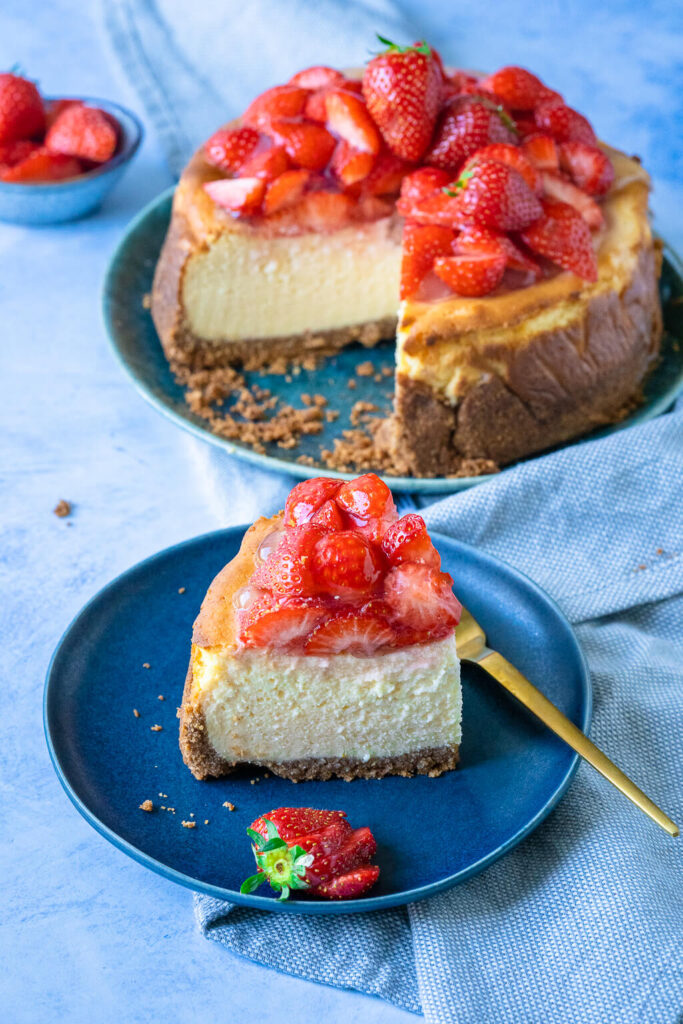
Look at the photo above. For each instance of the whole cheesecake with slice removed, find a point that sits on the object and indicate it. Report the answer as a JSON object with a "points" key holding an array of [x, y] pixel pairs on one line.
{"points": [[326, 647], [478, 217]]}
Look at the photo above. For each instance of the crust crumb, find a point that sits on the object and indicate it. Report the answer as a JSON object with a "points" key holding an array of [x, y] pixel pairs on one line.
{"points": [[62, 508], [161, 697], [189, 824], [365, 369], [156, 728], [181, 590], [146, 664], [231, 807], [136, 712], [147, 805]]}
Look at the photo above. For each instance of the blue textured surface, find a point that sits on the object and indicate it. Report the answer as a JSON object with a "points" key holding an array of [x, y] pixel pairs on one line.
{"points": [[62, 201], [137, 346], [90, 937], [512, 770]]}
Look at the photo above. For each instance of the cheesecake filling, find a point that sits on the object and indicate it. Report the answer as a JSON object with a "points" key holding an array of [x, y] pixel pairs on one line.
{"points": [[244, 287], [271, 706]]}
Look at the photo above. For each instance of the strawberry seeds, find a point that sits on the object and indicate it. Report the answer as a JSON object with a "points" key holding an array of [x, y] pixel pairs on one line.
{"points": [[345, 574]]}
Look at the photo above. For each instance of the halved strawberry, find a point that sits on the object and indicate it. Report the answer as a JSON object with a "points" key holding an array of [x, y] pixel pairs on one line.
{"points": [[280, 622], [307, 144], [496, 196], [361, 633], [329, 517], [351, 165], [345, 564], [563, 236], [422, 598], [467, 124], [473, 238], [560, 190], [591, 169], [563, 122], [268, 165], [42, 165], [228, 149], [241, 195], [471, 273], [287, 569], [348, 117], [422, 244], [420, 185], [402, 88], [513, 156], [518, 88], [307, 497], [282, 101], [318, 77], [407, 540], [14, 152], [365, 499], [292, 822], [53, 109], [84, 132], [541, 150], [285, 190], [325, 211], [387, 175], [316, 107], [351, 885]]}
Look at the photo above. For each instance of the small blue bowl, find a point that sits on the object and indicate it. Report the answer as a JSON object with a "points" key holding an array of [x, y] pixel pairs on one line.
{"points": [[59, 201]]}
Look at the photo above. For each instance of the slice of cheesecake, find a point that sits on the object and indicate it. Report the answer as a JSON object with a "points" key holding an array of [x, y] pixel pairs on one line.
{"points": [[326, 647]]}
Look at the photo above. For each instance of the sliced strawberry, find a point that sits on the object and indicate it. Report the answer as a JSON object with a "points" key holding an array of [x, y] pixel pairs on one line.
{"points": [[387, 175], [308, 145], [351, 885], [228, 149], [419, 185], [84, 132], [467, 124], [345, 564], [307, 497], [560, 190], [590, 168], [241, 195], [402, 88], [407, 540], [367, 498], [286, 190], [348, 117], [541, 150], [471, 274], [318, 77], [53, 109], [325, 211], [13, 153], [329, 517], [21, 109], [351, 165], [282, 101], [563, 236], [316, 107], [563, 122], [268, 165], [361, 633], [292, 822], [518, 88], [358, 848], [513, 156], [322, 843], [496, 196], [474, 239], [422, 244], [422, 598], [280, 622], [286, 570], [41, 165]]}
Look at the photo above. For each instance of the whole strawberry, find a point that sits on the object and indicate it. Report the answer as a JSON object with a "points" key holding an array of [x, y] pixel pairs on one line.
{"points": [[85, 132], [21, 109], [402, 88], [496, 196], [305, 848]]}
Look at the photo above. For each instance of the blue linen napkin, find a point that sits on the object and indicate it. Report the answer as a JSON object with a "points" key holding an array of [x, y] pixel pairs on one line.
{"points": [[583, 921]]}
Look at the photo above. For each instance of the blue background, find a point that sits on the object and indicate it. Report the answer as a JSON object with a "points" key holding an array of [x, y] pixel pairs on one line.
{"points": [[88, 935]]}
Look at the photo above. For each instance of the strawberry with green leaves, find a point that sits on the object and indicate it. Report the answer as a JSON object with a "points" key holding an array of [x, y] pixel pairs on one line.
{"points": [[302, 848], [495, 195], [402, 88]]}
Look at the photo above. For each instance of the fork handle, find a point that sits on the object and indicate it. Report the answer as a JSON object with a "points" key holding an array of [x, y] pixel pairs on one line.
{"points": [[527, 694]]}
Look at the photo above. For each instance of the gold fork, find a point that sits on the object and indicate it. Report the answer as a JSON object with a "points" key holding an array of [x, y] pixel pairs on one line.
{"points": [[471, 644]]}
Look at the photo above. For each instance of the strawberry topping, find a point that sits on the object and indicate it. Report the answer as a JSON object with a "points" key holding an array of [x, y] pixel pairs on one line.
{"points": [[325, 582]]}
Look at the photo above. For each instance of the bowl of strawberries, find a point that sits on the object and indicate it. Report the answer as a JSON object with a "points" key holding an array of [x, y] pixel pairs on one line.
{"points": [[59, 157]]}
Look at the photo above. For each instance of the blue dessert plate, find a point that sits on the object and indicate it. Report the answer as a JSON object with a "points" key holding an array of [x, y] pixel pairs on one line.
{"points": [[129, 647], [137, 347]]}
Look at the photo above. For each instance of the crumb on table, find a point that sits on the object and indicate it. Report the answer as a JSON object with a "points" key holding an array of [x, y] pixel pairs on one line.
{"points": [[62, 508], [147, 805]]}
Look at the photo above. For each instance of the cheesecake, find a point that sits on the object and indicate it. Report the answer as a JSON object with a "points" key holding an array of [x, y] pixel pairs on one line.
{"points": [[485, 227], [326, 647]]}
